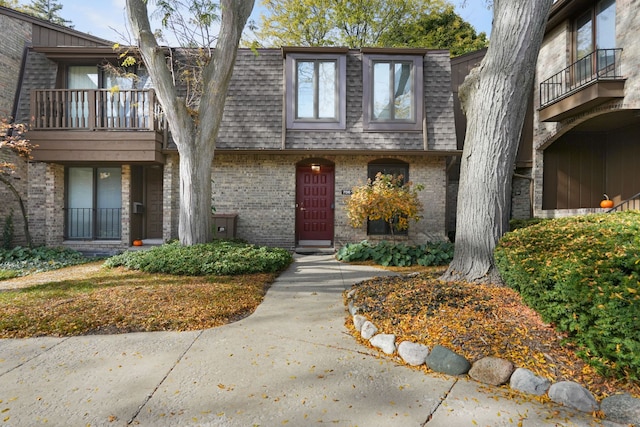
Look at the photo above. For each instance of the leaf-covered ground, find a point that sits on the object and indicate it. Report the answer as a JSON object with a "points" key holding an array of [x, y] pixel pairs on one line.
{"points": [[88, 299], [477, 321]]}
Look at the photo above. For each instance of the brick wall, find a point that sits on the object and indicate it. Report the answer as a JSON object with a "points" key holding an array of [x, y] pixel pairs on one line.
{"points": [[15, 35], [261, 190]]}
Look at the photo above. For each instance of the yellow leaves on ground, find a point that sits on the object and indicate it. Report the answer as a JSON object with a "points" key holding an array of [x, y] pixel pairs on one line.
{"points": [[477, 321], [117, 301]]}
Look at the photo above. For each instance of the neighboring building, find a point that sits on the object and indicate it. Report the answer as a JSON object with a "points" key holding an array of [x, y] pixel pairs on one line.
{"points": [[20, 33], [587, 107], [301, 127]]}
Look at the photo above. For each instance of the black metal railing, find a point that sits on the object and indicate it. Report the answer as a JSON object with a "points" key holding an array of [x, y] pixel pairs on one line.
{"points": [[90, 224], [632, 203], [601, 64]]}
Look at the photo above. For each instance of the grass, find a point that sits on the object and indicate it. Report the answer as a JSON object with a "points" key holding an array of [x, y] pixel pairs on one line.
{"points": [[93, 300], [170, 287]]}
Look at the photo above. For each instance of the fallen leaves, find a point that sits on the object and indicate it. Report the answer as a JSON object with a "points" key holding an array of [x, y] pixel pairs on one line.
{"points": [[117, 301], [477, 321]]}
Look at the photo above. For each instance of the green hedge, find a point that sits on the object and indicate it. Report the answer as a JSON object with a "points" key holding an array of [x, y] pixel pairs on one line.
{"points": [[583, 274], [221, 257], [399, 255]]}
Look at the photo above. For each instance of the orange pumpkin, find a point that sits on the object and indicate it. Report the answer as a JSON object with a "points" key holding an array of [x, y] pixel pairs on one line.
{"points": [[137, 242], [607, 203]]}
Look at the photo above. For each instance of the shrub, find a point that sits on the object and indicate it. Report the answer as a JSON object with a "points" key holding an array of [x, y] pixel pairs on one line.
{"points": [[22, 261], [399, 255], [388, 198], [583, 274], [221, 257]]}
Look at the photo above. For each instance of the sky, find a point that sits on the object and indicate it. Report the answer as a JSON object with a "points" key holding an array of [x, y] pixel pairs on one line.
{"points": [[100, 17]]}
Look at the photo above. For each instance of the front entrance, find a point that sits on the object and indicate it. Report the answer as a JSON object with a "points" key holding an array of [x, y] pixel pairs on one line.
{"points": [[153, 202], [314, 204]]}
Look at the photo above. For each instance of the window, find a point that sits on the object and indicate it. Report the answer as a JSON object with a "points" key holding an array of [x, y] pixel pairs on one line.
{"points": [[393, 91], [316, 91], [94, 203], [386, 167], [595, 30]]}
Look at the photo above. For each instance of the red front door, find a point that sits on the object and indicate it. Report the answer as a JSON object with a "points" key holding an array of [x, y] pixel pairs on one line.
{"points": [[314, 205]]}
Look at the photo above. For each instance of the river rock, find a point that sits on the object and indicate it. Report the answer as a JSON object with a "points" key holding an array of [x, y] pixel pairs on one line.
{"points": [[572, 394], [443, 360], [491, 370], [526, 381], [413, 354]]}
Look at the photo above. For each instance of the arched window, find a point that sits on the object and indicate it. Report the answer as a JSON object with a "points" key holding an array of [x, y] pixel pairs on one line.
{"points": [[387, 167]]}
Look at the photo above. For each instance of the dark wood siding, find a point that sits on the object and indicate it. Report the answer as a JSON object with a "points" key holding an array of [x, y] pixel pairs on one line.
{"points": [[50, 37], [582, 166]]}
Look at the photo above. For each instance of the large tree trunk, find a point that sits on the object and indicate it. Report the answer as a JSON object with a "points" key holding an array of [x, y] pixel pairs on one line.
{"points": [[194, 134], [494, 97]]}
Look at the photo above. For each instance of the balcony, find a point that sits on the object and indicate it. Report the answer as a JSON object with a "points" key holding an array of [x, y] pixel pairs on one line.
{"points": [[590, 81], [97, 125]]}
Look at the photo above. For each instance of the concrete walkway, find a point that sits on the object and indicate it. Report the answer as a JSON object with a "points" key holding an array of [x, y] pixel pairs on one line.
{"points": [[290, 363]]}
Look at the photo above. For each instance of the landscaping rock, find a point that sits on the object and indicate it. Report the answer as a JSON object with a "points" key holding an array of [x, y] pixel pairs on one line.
{"points": [[413, 354], [358, 322], [353, 310], [622, 408], [491, 370], [443, 360], [527, 382], [368, 330], [385, 342], [572, 394]]}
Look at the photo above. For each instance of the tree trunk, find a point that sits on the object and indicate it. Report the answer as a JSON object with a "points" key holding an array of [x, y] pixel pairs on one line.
{"points": [[494, 97], [23, 210], [194, 134]]}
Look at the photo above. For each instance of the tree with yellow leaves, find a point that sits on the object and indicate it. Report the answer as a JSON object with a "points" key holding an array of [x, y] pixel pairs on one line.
{"points": [[387, 197], [12, 137]]}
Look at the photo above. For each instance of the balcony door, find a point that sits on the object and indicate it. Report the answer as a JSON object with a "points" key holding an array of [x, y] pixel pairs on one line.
{"points": [[80, 79], [124, 105], [595, 39]]}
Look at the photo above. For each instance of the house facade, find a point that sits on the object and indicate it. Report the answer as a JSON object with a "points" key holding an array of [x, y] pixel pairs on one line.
{"points": [[587, 107], [301, 128]]}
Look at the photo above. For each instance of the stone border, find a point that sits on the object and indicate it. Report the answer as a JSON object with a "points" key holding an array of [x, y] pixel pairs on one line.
{"points": [[620, 408]]}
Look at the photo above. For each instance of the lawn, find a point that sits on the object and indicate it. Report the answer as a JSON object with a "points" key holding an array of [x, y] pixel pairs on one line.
{"points": [[89, 299], [169, 287]]}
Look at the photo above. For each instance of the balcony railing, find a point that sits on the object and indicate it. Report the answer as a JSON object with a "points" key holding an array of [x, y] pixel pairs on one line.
{"points": [[602, 64], [89, 223], [100, 109]]}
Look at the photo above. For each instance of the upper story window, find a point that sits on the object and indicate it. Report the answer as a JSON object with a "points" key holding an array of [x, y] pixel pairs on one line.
{"points": [[595, 30], [316, 91], [393, 92]]}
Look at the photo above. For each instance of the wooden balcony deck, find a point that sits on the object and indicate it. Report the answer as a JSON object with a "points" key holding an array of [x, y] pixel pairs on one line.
{"points": [[71, 125]]}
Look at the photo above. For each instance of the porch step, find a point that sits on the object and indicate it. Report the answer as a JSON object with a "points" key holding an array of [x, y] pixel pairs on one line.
{"points": [[310, 250]]}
